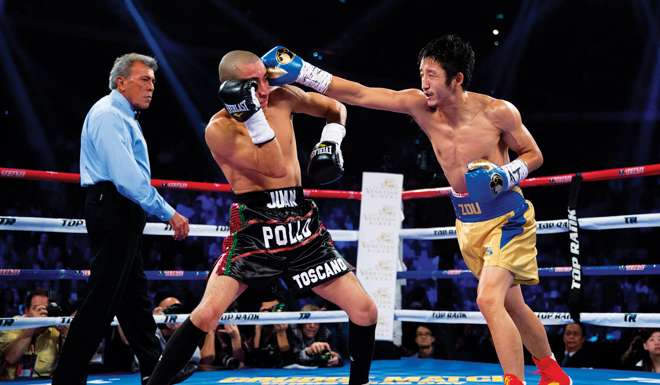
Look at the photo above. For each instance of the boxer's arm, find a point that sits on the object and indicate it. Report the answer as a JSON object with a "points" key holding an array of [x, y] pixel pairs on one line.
{"points": [[315, 104], [229, 144], [354, 93], [285, 67], [326, 163], [507, 118]]}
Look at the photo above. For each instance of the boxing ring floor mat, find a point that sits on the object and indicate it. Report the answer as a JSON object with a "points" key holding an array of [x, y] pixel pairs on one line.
{"points": [[409, 371]]}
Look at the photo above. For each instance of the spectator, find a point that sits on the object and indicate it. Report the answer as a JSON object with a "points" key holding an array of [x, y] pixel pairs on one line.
{"points": [[644, 352], [222, 348], [172, 305], [576, 354], [426, 346], [312, 343], [270, 347], [228, 348], [30, 353]]}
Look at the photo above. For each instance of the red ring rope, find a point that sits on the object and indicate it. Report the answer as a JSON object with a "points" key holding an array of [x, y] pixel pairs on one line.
{"points": [[590, 176]]}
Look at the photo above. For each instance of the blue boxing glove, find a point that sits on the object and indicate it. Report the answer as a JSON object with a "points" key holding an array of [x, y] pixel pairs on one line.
{"points": [[485, 180], [285, 67]]}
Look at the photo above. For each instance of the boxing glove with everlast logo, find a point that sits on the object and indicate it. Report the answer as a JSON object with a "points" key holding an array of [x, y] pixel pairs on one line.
{"points": [[241, 102], [285, 67], [326, 164]]}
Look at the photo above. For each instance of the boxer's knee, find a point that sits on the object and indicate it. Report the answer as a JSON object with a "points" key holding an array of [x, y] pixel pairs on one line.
{"points": [[489, 303], [365, 313], [205, 317]]}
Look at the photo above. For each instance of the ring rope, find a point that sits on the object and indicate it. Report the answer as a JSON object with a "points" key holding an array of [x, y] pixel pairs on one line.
{"points": [[549, 227], [626, 320], [589, 176], [189, 275], [559, 271], [77, 226]]}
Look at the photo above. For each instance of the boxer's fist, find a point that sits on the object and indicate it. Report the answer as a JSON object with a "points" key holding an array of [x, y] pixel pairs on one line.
{"points": [[240, 98], [485, 180], [283, 66], [326, 164]]}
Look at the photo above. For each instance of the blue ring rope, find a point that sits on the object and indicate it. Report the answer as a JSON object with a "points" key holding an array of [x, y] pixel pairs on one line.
{"points": [[181, 275]]}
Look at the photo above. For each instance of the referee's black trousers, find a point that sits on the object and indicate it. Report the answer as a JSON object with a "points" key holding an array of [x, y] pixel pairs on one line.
{"points": [[117, 286]]}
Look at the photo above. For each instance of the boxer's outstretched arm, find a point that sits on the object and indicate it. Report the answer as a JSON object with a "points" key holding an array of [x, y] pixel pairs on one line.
{"points": [[285, 67], [405, 101], [229, 142], [315, 104], [507, 118]]}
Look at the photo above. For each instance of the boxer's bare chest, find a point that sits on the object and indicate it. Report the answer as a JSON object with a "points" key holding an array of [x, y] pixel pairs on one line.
{"points": [[456, 144]]}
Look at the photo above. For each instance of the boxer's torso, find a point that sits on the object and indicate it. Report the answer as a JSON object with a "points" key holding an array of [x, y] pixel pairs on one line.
{"points": [[456, 143]]}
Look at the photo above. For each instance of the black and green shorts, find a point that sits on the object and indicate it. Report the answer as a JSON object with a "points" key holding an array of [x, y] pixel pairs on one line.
{"points": [[277, 233]]}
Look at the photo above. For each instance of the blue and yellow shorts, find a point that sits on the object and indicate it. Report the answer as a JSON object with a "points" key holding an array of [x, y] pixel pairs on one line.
{"points": [[501, 233]]}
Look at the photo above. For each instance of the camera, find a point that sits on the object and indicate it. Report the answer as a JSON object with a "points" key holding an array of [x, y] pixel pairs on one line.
{"points": [[175, 308], [229, 362], [278, 308], [323, 358], [54, 310]]}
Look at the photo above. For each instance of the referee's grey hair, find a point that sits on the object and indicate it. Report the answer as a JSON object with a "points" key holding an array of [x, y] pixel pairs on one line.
{"points": [[122, 66]]}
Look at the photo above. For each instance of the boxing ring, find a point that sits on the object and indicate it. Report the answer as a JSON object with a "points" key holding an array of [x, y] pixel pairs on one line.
{"points": [[404, 371]]}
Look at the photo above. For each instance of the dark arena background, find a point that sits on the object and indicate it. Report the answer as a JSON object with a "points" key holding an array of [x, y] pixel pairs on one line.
{"points": [[584, 74]]}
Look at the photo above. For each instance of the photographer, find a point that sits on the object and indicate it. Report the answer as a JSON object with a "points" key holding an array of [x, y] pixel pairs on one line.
{"points": [[643, 352], [31, 353], [269, 347], [312, 343], [172, 305], [228, 349]]}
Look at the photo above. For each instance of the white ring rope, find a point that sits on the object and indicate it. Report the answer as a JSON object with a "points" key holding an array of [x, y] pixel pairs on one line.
{"points": [[64, 225], [77, 226], [629, 320], [550, 227]]}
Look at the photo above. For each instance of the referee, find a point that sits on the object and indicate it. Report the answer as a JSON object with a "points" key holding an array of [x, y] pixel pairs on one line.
{"points": [[115, 173]]}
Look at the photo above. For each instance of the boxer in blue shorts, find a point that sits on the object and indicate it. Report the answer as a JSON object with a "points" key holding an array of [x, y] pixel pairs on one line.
{"points": [[274, 231], [471, 135]]}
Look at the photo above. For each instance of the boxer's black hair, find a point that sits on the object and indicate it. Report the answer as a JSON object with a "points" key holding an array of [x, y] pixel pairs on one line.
{"points": [[452, 53]]}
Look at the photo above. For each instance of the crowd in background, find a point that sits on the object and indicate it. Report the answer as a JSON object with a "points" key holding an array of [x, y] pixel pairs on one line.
{"points": [[284, 345], [30, 353]]}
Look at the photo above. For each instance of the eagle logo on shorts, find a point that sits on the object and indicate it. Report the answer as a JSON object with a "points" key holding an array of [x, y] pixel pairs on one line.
{"points": [[284, 56]]}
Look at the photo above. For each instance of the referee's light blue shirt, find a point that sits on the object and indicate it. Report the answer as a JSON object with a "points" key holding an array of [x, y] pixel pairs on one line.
{"points": [[112, 148]]}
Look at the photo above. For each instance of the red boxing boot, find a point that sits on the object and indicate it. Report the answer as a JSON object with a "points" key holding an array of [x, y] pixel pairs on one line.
{"points": [[511, 379], [551, 373]]}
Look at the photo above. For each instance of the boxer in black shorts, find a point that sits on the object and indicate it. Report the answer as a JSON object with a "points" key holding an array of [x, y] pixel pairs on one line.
{"points": [[274, 231], [277, 233]]}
